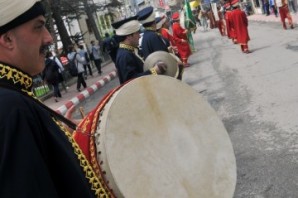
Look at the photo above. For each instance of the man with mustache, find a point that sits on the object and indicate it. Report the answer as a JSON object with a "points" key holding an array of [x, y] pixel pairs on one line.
{"points": [[38, 157]]}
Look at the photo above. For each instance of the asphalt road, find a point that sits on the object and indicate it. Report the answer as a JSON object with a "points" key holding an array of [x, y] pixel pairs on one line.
{"points": [[256, 97]]}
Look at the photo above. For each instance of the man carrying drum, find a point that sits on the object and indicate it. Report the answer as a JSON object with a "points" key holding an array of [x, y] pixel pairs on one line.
{"points": [[39, 158], [128, 63]]}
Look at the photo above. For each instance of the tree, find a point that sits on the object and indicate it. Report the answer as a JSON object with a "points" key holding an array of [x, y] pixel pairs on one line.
{"points": [[73, 9]]}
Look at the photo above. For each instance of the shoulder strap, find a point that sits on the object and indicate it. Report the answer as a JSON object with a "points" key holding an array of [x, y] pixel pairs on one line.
{"points": [[53, 113]]}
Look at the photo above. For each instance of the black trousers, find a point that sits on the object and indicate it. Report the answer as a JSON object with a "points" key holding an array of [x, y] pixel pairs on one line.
{"points": [[56, 90], [89, 68], [80, 81], [97, 63]]}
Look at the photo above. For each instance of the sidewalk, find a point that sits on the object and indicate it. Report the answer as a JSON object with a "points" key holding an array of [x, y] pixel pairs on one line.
{"points": [[271, 18], [73, 97]]}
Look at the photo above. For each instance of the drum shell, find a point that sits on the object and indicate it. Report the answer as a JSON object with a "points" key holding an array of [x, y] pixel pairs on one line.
{"points": [[166, 150]]}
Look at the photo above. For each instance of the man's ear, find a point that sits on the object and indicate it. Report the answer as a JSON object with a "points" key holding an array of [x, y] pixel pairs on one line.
{"points": [[6, 40]]}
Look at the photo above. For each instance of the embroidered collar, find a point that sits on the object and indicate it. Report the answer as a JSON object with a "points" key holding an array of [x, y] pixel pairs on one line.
{"points": [[13, 76], [127, 47], [150, 29]]}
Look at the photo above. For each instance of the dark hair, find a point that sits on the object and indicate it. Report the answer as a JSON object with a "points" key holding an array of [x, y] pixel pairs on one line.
{"points": [[49, 54], [149, 24], [81, 46], [121, 38], [70, 48], [107, 35]]}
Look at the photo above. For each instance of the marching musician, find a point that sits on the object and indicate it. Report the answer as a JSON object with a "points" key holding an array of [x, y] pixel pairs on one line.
{"points": [[128, 62], [180, 33], [39, 158], [151, 41]]}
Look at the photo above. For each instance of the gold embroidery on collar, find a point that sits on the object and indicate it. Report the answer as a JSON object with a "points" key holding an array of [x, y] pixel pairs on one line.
{"points": [[150, 28], [24, 79], [128, 47], [132, 49], [15, 75]]}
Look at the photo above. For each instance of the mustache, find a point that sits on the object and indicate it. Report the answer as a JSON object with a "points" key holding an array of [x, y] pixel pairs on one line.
{"points": [[44, 49]]}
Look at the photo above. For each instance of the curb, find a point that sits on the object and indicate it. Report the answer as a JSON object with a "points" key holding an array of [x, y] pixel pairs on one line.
{"points": [[86, 93], [270, 19]]}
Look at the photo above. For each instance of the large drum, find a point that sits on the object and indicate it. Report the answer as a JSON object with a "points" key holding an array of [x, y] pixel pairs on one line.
{"points": [[157, 137]]}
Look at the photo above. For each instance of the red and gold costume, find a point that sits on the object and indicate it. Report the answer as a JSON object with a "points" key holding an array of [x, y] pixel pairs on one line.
{"points": [[284, 13], [240, 24], [230, 26], [173, 40], [180, 33], [221, 24]]}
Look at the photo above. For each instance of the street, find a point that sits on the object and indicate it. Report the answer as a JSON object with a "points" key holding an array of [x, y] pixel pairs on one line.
{"points": [[255, 96]]}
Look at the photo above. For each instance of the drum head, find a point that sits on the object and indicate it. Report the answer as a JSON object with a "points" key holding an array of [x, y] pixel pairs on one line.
{"points": [[162, 139], [167, 58]]}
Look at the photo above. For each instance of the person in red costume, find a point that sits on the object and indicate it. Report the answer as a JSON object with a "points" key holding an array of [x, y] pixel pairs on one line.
{"points": [[240, 24], [230, 25], [180, 33], [162, 27]]}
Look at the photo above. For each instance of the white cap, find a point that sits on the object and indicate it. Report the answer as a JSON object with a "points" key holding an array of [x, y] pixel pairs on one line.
{"points": [[11, 9], [14, 12], [128, 28]]}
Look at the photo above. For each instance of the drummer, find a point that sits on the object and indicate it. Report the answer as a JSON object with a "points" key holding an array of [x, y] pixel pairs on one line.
{"points": [[38, 156], [128, 63]]}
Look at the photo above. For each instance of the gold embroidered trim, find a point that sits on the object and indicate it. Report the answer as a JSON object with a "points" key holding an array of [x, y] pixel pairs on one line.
{"points": [[128, 47], [132, 49], [153, 71], [150, 28], [96, 185], [15, 75], [94, 162]]}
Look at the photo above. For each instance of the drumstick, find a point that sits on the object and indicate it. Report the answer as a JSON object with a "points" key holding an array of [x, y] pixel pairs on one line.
{"points": [[82, 112]]}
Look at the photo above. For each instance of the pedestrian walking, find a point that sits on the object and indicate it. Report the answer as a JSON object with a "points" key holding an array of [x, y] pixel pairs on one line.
{"points": [[62, 72], [292, 6], [39, 158], [203, 18], [50, 74], [273, 7], [95, 51], [86, 64], [78, 61], [284, 13]]}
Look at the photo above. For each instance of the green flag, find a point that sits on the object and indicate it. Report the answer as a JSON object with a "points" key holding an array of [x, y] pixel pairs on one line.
{"points": [[190, 24]]}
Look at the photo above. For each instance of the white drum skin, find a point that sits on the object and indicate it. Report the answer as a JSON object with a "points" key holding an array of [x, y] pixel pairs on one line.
{"points": [[159, 138]]}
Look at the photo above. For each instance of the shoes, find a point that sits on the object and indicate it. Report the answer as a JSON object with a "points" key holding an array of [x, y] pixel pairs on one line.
{"points": [[186, 65], [56, 100], [79, 90], [246, 51], [292, 26]]}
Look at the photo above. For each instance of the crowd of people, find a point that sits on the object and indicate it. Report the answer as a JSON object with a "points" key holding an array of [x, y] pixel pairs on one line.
{"points": [[39, 157], [56, 69]]}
